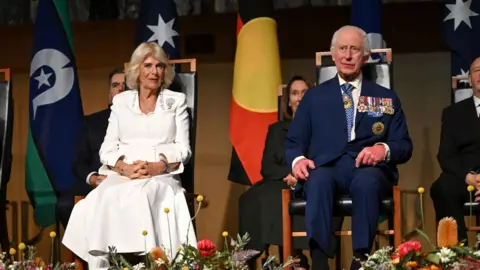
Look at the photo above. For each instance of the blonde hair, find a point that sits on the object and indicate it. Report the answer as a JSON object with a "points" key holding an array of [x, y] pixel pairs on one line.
{"points": [[139, 55]]}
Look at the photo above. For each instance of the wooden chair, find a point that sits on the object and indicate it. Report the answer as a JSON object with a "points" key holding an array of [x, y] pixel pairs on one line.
{"points": [[381, 73], [390, 207], [185, 82]]}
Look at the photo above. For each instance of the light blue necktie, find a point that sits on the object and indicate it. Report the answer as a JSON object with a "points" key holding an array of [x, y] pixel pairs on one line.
{"points": [[348, 105]]}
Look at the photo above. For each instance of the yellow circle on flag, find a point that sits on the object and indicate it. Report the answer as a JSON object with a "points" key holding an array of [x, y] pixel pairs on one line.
{"points": [[257, 66]]}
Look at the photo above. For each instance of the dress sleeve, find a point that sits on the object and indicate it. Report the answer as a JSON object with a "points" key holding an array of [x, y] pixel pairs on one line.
{"points": [[109, 151], [179, 150]]}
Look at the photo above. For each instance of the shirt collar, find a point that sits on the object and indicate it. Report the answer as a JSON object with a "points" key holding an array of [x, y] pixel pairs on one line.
{"points": [[357, 83], [476, 100]]}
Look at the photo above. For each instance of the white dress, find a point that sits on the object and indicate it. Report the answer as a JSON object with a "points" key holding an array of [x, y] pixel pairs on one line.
{"points": [[119, 209]]}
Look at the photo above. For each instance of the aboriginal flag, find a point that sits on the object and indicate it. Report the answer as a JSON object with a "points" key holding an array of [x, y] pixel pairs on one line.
{"points": [[255, 84]]}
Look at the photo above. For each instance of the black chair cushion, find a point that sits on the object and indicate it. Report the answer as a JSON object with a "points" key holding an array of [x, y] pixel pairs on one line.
{"points": [[342, 208], [380, 73]]}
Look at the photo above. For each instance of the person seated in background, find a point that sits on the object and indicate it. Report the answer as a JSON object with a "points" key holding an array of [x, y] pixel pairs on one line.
{"points": [[261, 205], [142, 161], [459, 156], [86, 161], [341, 141]]}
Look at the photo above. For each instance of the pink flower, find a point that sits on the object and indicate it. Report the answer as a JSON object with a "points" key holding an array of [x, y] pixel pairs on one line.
{"points": [[406, 247]]}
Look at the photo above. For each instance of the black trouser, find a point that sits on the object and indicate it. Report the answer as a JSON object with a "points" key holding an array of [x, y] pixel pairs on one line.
{"points": [[449, 194]]}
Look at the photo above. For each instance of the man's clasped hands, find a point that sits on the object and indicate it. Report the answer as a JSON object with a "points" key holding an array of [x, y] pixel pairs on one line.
{"points": [[473, 179]]}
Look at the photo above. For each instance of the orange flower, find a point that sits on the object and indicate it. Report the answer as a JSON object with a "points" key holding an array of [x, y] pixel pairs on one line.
{"points": [[431, 267], [411, 265], [447, 232], [39, 262], [395, 259], [158, 253]]}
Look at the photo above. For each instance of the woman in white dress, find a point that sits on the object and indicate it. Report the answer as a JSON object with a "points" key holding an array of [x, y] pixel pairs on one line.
{"points": [[144, 151]]}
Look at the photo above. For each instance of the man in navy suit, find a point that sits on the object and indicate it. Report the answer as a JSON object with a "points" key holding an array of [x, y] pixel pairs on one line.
{"points": [[356, 134], [87, 160]]}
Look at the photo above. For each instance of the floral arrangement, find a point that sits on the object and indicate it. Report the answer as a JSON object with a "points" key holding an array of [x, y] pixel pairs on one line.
{"points": [[448, 254], [29, 261], [204, 256]]}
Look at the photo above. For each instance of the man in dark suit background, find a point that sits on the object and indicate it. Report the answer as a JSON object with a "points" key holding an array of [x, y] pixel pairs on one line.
{"points": [[354, 144], [459, 156], [87, 161]]}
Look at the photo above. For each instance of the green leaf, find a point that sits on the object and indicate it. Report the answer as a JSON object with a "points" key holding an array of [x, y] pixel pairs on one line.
{"points": [[433, 258], [407, 258], [424, 235]]}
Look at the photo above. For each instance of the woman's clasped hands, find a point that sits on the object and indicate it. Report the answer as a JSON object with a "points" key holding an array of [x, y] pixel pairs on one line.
{"points": [[140, 169]]}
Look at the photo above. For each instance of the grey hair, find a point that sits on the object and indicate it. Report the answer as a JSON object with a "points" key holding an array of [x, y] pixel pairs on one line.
{"points": [[366, 43]]}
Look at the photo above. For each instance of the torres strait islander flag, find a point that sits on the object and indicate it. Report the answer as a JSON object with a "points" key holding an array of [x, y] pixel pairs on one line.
{"points": [[255, 84], [55, 114]]}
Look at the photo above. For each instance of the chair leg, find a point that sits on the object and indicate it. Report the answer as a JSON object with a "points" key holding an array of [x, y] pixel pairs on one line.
{"points": [[338, 255], [397, 215], [391, 239], [286, 225]]}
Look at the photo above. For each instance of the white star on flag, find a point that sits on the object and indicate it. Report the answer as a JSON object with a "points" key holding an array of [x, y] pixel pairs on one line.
{"points": [[463, 73], [43, 79], [460, 12], [163, 32]]}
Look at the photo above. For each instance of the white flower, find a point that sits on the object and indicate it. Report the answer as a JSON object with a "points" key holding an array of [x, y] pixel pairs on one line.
{"points": [[476, 253], [139, 266], [446, 255], [159, 262]]}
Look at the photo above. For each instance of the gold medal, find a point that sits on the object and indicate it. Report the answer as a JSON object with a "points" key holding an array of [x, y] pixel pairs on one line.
{"points": [[378, 128], [347, 102]]}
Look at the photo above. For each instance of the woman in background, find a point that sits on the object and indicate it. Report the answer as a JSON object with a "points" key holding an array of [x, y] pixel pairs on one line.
{"points": [[261, 206], [144, 151]]}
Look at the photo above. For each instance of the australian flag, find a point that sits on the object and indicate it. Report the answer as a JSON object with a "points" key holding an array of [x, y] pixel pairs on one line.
{"points": [[158, 22], [366, 14], [461, 25]]}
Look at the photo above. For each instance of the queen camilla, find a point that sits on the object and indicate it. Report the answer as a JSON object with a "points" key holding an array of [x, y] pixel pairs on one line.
{"points": [[144, 151]]}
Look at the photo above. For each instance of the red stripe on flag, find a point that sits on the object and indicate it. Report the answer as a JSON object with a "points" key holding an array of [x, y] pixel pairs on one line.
{"points": [[239, 24], [248, 131]]}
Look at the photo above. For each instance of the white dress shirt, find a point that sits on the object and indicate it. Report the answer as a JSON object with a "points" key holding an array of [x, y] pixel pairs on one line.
{"points": [[476, 100], [90, 175], [357, 88]]}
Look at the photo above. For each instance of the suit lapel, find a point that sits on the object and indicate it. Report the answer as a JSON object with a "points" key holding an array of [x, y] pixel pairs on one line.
{"points": [[367, 90], [471, 111]]}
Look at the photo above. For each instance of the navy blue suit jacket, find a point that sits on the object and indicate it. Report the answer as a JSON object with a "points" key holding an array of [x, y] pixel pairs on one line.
{"points": [[319, 127]]}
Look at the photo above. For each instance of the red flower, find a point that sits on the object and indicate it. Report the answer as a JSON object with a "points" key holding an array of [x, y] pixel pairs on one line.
{"points": [[206, 248], [406, 247]]}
